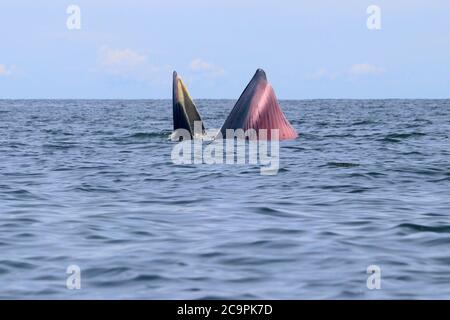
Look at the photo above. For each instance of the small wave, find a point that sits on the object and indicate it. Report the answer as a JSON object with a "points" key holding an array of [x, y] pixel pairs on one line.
{"points": [[363, 122], [343, 164], [427, 121], [17, 264], [405, 135], [440, 180], [149, 277], [249, 261], [417, 123], [61, 146], [295, 148], [412, 153], [342, 135], [213, 254], [147, 135], [360, 190], [309, 136], [397, 137], [57, 132], [281, 231], [273, 212], [20, 192], [424, 228], [89, 188], [100, 271]]}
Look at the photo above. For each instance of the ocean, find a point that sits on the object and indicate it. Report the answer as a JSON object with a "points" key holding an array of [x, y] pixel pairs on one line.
{"points": [[91, 183]]}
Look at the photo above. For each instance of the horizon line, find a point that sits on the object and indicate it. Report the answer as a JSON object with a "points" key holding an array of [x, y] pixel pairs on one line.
{"points": [[169, 98]]}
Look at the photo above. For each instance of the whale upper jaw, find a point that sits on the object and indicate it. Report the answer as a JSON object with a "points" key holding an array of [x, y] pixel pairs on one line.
{"points": [[185, 113]]}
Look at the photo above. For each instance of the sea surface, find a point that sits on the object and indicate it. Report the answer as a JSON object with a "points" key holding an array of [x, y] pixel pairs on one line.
{"points": [[92, 184]]}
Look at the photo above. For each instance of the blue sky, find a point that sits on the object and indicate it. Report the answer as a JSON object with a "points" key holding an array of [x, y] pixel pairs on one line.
{"points": [[309, 49]]}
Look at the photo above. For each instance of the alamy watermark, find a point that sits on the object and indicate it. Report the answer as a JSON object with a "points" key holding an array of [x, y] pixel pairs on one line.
{"points": [[374, 280], [253, 147], [73, 281], [73, 22], [374, 19]]}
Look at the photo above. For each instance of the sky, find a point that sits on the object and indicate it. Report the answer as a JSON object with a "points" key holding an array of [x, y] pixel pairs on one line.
{"points": [[309, 49]]}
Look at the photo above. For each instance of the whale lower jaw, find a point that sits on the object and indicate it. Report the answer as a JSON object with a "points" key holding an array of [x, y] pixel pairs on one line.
{"points": [[257, 110]]}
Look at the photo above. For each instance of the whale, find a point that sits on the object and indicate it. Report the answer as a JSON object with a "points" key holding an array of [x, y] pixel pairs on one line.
{"points": [[258, 108], [185, 112]]}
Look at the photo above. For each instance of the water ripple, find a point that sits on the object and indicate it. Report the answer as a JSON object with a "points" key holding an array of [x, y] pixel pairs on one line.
{"points": [[92, 184]]}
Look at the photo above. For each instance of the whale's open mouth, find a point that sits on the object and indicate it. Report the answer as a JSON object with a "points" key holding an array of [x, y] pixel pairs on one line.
{"points": [[257, 109]]}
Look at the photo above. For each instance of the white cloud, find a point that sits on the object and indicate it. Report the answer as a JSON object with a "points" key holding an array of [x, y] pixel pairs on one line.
{"points": [[322, 73], [356, 70], [6, 71], [121, 61], [200, 66], [131, 65], [362, 69]]}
